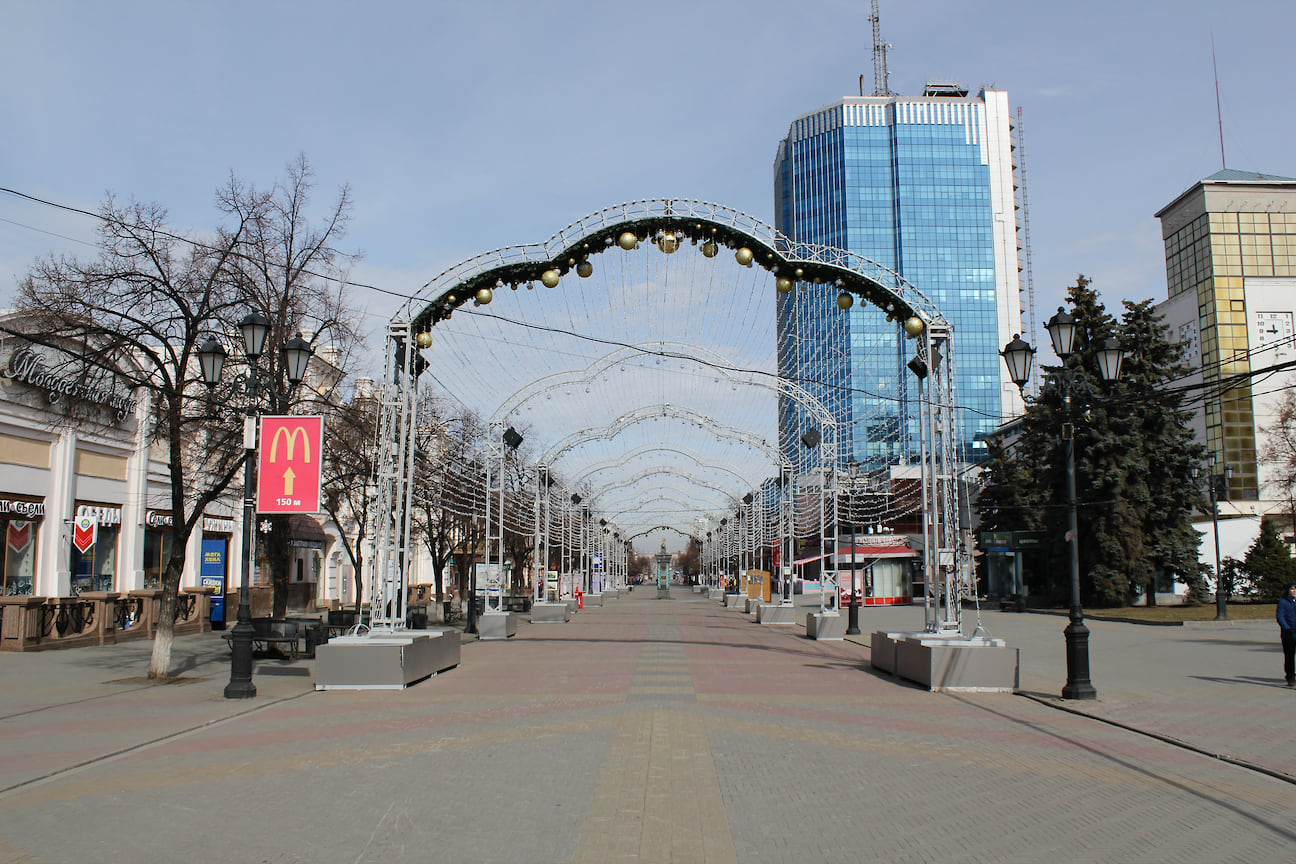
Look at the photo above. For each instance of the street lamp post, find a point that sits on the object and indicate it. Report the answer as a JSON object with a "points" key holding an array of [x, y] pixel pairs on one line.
{"points": [[1065, 381], [1221, 592], [252, 385], [852, 608]]}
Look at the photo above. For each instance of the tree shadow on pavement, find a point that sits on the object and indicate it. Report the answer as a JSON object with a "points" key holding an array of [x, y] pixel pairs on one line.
{"points": [[1249, 680]]}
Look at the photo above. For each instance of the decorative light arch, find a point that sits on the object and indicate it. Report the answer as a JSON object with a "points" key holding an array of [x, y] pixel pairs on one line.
{"points": [[649, 412], [668, 222]]}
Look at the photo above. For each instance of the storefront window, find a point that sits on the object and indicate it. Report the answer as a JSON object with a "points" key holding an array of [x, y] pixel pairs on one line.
{"points": [[96, 568], [20, 521], [157, 551], [19, 555], [157, 546]]}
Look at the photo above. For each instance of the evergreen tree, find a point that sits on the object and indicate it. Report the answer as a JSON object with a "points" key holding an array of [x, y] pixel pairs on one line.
{"points": [[1269, 563], [1159, 484], [1133, 453]]}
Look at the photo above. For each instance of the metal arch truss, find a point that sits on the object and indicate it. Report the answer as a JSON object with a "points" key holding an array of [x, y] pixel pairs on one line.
{"points": [[947, 557], [649, 412], [687, 452], [674, 350], [698, 219], [673, 472], [685, 534]]}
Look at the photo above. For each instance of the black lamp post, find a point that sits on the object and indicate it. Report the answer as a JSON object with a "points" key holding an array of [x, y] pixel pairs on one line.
{"points": [[1221, 592], [852, 607], [252, 385], [1017, 355]]}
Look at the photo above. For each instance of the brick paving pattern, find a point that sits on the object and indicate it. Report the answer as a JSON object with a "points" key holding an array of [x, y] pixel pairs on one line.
{"points": [[659, 731]]}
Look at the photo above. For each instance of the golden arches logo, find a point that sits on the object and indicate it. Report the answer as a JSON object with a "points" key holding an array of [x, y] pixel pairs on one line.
{"points": [[290, 445]]}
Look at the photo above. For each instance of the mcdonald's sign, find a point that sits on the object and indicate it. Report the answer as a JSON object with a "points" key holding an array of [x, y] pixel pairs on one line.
{"points": [[288, 464]]}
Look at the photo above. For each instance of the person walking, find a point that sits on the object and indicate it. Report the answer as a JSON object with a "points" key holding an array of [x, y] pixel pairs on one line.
{"points": [[1286, 615]]}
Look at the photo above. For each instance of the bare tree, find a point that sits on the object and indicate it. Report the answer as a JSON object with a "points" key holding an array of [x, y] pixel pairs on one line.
{"points": [[349, 465], [144, 304], [152, 296], [448, 498], [1279, 451], [289, 269]]}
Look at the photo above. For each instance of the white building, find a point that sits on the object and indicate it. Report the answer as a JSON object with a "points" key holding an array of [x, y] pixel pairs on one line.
{"points": [[53, 473]]}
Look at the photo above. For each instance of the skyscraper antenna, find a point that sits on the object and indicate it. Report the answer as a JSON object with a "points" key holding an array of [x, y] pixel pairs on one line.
{"points": [[1218, 111], [881, 77]]}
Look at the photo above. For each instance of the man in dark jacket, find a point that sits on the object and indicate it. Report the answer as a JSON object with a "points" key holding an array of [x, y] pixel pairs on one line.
{"points": [[1286, 616]]}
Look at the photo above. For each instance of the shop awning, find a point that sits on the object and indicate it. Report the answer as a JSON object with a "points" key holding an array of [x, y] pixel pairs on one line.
{"points": [[866, 552], [305, 532]]}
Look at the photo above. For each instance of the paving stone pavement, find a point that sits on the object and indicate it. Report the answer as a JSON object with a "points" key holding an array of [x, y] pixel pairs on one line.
{"points": [[660, 731]]}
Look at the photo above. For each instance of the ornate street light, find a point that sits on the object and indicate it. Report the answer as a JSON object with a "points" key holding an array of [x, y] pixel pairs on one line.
{"points": [[296, 354], [1017, 355], [852, 608], [1221, 592]]}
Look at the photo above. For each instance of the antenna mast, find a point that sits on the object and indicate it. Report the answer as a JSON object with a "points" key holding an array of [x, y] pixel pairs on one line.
{"points": [[1025, 228], [881, 78], [1218, 111]]}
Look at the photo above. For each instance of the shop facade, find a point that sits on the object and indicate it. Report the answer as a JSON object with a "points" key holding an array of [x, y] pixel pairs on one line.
{"points": [[85, 502]]}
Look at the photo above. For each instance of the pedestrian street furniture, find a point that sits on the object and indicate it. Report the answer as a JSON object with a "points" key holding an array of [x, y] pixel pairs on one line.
{"points": [[269, 633]]}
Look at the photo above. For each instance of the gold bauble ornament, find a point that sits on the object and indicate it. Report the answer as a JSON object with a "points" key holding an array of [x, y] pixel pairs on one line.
{"points": [[668, 243], [485, 296], [424, 339], [628, 241], [845, 300], [584, 269], [549, 278], [709, 249], [913, 326], [743, 256], [782, 285]]}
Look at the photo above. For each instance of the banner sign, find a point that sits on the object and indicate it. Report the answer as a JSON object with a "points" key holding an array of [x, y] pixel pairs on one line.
{"points": [[18, 534], [84, 530], [288, 464], [212, 572]]}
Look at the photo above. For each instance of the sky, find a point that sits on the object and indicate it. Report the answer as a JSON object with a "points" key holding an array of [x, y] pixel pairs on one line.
{"points": [[462, 127]]}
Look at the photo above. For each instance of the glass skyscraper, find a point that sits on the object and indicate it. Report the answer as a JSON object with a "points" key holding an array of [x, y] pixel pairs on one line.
{"points": [[925, 187]]}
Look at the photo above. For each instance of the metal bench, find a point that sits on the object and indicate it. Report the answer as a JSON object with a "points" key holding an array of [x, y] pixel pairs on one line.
{"points": [[267, 632]]}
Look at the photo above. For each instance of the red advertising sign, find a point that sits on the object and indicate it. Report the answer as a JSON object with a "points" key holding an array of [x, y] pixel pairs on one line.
{"points": [[83, 533], [288, 464]]}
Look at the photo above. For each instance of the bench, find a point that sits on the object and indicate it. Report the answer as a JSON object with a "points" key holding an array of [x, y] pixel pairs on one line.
{"points": [[267, 632]]}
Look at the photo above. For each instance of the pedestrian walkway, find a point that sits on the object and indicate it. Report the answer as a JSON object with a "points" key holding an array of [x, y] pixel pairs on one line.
{"points": [[655, 731]]}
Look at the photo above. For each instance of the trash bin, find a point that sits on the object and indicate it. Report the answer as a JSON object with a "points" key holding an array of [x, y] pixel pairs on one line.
{"points": [[417, 619], [316, 635]]}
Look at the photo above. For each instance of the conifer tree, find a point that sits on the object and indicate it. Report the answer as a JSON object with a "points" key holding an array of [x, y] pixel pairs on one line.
{"points": [[1269, 563], [1134, 452]]}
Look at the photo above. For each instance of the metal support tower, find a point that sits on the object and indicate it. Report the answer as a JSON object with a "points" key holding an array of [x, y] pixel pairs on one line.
{"points": [[494, 567], [395, 467], [1032, 324]]}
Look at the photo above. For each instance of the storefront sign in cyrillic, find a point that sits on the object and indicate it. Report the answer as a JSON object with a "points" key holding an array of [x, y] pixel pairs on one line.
{"points": [[19, 507], [27, 366]]}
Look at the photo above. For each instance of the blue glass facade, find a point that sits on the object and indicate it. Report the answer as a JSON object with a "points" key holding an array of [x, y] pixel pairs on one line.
{"points": [[919, 186]]}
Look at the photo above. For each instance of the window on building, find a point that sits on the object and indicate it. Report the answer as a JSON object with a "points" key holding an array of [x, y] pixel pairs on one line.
{"points": [[96, 568], [157, 551], [19, 554]]}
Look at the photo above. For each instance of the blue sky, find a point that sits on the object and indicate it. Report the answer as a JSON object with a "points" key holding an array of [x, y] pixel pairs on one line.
{"points": [[467, 126]]}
